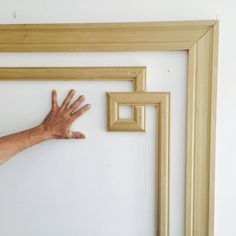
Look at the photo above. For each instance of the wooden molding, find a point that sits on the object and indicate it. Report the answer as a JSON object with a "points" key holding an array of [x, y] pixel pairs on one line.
{"points": [[200, 154], [199, 38], [137, 75], [162, 102], [89, 37]]}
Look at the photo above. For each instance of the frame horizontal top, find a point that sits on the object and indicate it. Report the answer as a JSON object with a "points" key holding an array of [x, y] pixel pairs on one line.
{"points": [[102, 37], [151, 98], [73, 73]]}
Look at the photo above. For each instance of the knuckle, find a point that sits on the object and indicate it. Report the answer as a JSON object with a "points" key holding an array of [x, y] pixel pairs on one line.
{"points": [[82, 97], [80, 113]]}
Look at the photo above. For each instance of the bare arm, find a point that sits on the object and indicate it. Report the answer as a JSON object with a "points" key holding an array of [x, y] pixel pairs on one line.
{"points": [[56, 125]]}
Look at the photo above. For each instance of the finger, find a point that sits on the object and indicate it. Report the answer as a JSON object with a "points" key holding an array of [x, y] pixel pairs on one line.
{"points": [[77, 135], [81, 111], [76, 104], [68, 98], [54, 98]]}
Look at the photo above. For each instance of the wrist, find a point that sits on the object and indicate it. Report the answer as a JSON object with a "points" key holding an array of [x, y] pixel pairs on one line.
{"points": [[42, 132]]}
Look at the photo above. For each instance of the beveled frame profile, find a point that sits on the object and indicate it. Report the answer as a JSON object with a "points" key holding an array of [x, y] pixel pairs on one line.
{"points": [[199, 39]]}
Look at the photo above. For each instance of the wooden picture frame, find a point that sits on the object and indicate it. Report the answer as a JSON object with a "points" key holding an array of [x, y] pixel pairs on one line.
{"points": [[199, 39]]}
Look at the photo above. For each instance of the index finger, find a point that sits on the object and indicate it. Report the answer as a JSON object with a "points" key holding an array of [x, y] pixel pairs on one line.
{"points": [[54, 98]]}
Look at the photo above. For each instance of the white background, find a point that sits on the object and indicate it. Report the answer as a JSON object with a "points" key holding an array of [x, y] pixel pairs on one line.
{"points": [[26, 11]]}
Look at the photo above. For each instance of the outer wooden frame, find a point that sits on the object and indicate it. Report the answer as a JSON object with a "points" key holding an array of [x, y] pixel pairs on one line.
{"points": [[199, 38]]}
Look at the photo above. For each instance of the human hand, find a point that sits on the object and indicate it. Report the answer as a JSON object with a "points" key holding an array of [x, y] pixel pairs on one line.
{"points": [[59, 120]]}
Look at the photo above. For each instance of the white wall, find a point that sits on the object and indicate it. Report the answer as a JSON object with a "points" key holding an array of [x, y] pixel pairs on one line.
{"points": [[104, 185], [26, 11]]}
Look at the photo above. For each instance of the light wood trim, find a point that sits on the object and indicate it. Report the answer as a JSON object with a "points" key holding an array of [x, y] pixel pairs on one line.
{"points": [[147, 98], [162, 102], [199, 38], [137, 124], [76, 73], [204, 129], [212, 136], [146, 36], [201, 135], [190, 155]]}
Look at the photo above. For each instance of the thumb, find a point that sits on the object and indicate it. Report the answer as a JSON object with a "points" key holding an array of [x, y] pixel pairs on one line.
{"points": [[77, 135]]}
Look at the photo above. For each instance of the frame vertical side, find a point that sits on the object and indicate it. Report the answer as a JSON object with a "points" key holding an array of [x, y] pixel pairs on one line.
{"points": [[162, 102], [203, 176], [189, 173], [214, 67], [163, 132]]}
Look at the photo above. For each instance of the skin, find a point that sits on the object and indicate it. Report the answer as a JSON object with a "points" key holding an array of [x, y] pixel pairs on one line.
{"points": [[56, 125]]}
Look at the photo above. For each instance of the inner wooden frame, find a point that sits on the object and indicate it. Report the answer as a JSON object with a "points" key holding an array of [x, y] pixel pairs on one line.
{"points": [[137, 75], [199, 39], [162, 103]]}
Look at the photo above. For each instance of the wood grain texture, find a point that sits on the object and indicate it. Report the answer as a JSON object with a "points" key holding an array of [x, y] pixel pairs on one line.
{"points": [[200, 160], [144, 36], [76, 73], [190, 137], [162, 102]]}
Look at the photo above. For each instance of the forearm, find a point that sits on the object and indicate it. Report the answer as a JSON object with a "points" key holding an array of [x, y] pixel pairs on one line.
{"points": [[15, 143], [56, 125]]}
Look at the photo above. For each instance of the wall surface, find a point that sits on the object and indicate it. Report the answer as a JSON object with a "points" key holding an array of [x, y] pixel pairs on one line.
{"points": [[104, 185], [25, 11]]}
